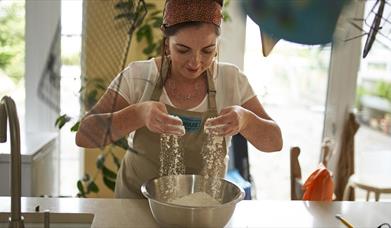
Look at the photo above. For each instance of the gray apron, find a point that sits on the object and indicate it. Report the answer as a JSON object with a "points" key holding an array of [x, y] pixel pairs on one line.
{"points": [[137, 168]]}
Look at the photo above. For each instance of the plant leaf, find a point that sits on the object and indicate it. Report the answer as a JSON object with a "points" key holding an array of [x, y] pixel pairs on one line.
{"points": [[121, 15], [62, 120], [100, 160], [156, 13], [108, 173], [86, 177], [148, 34], [116, 160], [75, 127], [91, 98], [124, 5], [149, 49], [141, 32], [80, 187], [158, 21], [150, 6], [122, 142], [92, 187], [109, 183]]}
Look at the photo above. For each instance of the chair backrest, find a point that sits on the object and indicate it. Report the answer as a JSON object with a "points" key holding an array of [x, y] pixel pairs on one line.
{"points": [[295, 169]]}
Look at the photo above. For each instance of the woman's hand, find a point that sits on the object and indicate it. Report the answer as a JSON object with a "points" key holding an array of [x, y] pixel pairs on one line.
{"points": [[232, 119], [156, 118]]}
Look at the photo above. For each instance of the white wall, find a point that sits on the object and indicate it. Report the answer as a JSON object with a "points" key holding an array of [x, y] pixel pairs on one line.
{"points": [[43, 42], [42, 21], [233, 36]]}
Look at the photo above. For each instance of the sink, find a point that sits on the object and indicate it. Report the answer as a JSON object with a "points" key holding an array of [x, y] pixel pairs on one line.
{"points": [[57, 220]]}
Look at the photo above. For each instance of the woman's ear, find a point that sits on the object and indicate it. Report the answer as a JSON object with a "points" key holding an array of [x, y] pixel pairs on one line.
{"points": [[166, 47]]}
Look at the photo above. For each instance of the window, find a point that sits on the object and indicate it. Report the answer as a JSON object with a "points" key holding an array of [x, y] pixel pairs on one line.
{"points": [[373, 102], [71, 28], [291, 83], [12, 27]]}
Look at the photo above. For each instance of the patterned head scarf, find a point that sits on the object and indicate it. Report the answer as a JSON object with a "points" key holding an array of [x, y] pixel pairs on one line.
{"points": [[179, 11]]}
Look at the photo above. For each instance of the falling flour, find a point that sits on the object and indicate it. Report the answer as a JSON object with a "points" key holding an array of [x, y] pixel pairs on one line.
{"points": [[213, 156], [171, 154], [171, 161], [197, 199], [213, 152]]}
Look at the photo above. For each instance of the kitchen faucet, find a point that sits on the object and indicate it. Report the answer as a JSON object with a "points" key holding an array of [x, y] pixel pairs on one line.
{"points": [[8, 110]]}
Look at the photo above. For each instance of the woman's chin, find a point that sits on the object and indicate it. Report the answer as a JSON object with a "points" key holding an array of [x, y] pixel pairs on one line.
{"points": [[191, 75]]}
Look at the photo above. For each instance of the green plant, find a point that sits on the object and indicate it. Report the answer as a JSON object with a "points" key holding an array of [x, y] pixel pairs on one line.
{"points": [[383, 89], [71, 59], [12, 39], [360, 92]]}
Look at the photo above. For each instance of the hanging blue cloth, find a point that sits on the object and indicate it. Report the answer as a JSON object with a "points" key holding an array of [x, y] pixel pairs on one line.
{"points": [[300, 21]]}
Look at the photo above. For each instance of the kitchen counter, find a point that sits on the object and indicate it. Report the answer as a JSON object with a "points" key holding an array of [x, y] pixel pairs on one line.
{"points": [[248, 213]]}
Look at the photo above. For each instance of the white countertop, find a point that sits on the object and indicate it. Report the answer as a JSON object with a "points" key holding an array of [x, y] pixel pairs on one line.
{"points": [[30, 144], [248, 213]]}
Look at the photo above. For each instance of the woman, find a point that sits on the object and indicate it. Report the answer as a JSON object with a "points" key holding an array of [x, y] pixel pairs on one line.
{"points": [[186, 82]]}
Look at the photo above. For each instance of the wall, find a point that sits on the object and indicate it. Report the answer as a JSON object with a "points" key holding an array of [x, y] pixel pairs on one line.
{"points": [[42, 49], [233, 34], [42, 84]]}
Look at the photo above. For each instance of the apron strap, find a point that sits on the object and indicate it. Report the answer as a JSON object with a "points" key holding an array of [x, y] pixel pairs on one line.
{"points": [[157, 91], [211, 93]]}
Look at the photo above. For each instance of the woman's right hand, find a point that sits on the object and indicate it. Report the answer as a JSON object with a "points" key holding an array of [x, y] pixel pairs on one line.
{"points": [[156, 118]]}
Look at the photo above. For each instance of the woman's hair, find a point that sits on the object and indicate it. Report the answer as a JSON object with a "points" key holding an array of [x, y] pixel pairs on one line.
{"points": [[172, 30]]}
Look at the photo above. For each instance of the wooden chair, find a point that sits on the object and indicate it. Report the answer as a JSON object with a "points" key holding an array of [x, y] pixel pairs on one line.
{"points": [[375, 180], [295, 169], [368, 184]]}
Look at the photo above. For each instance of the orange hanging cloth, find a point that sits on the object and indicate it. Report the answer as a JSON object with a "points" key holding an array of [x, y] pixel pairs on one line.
{"points": [[319, 186]]}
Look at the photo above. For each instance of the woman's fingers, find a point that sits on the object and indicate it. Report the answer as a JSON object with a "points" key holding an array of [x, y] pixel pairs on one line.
{"points": [[167, 124], [229, 129], [170, 120], [174, 129]]}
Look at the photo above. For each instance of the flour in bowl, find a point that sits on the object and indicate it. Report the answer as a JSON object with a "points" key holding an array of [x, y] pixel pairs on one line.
{"points": [[197, 199]]}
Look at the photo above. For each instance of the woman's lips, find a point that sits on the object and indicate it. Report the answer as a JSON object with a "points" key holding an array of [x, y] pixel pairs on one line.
{"points": [[192, 70]]}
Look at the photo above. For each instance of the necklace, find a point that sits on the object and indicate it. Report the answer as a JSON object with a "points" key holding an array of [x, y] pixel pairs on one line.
{"points": [[181, 94]]}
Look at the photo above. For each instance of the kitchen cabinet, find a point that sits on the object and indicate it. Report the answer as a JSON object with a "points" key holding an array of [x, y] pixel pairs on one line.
{"points": [[40, 165]]}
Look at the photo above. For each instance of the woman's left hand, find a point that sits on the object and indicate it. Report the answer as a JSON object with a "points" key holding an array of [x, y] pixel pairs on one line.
{"points": [[233, 120]]}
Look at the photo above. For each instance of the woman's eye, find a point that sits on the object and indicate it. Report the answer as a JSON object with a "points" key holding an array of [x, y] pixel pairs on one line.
{"points": [[208, 51], [182, 50]]}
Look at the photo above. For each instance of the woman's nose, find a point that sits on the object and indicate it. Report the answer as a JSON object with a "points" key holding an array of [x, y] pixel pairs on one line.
{"points": [[195, 60]]}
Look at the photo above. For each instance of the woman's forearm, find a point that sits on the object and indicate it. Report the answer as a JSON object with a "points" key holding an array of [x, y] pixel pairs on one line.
{"points": [[97, 130], [264, 134]]}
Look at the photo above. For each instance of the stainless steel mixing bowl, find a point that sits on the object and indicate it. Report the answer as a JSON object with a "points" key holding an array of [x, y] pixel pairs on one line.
{"points": [[160, 190]]}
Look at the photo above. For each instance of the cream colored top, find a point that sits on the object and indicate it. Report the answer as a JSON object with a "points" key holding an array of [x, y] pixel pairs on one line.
{"points": [[136, 82]]}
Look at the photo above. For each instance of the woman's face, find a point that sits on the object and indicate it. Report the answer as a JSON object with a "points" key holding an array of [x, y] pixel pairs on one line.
{"points": [[192, 50]]}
